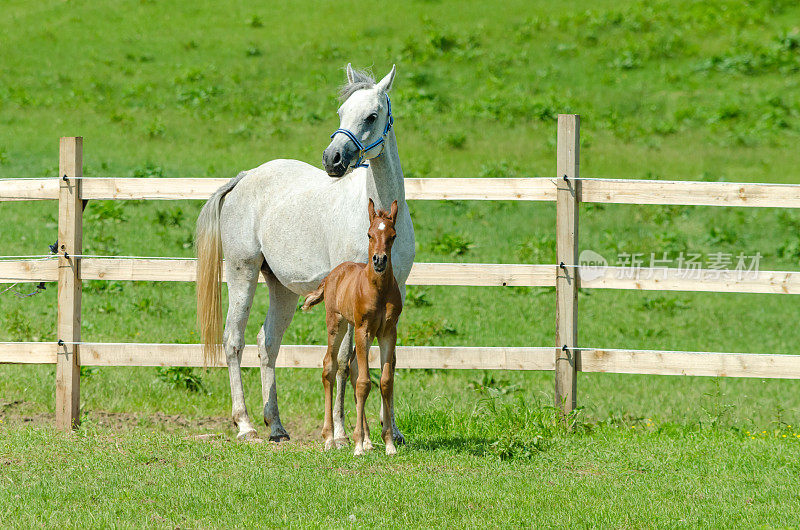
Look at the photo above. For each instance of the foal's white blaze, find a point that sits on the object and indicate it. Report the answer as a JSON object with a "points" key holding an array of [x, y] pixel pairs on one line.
{"points": [[381, 226]]}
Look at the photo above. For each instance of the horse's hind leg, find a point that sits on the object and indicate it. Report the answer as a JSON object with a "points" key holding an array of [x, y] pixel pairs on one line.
{"points": [[242, 281], [282, 305]]}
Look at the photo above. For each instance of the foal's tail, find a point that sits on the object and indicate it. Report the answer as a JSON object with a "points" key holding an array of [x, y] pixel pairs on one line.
{"points": [[315, 297], [209, 272]]}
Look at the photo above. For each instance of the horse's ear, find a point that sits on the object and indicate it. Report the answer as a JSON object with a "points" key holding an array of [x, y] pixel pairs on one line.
{"points": [[350, 75], [371, 210], [393, 213], [385, 84]]}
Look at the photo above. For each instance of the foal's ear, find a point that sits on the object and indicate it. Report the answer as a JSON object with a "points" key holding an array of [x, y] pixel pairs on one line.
{"points": [[350, 76], [385, 84], [371, 210], [393, 213]]}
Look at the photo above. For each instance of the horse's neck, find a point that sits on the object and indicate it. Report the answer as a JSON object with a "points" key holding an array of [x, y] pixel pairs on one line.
{"points": [[385, 176]]}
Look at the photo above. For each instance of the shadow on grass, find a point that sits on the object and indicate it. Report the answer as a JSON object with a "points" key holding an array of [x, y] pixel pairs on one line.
{"points": [[471, 445], [507, 447]]}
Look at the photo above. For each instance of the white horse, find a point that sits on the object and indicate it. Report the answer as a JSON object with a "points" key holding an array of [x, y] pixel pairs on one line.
{"points": [[293, 223]]}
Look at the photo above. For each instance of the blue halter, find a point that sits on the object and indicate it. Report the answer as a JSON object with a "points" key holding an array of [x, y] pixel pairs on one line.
{"points": [[362, 151]]}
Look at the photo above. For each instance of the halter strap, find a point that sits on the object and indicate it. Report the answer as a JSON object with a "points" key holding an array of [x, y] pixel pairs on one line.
{"points": [[362, 150]]}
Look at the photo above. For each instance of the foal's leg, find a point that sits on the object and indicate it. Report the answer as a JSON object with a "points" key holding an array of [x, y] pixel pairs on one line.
{"points": [[242, 283], [330, 369], [346, 354], [399, 439], [397, 436], [353, 380], [387, 345], [282, 305], [363, 340]]}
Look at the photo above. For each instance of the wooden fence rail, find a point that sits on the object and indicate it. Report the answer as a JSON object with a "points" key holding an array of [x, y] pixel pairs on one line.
{"points": [[463, 274], [566, 357], [609, 191]]}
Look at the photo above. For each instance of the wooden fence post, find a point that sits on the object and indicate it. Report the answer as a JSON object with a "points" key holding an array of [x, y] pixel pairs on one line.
{"points": [[70, 244], [567, 199]]}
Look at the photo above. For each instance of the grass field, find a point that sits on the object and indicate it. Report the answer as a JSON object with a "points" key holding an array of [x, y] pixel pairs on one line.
{"points": [[680, 90]]}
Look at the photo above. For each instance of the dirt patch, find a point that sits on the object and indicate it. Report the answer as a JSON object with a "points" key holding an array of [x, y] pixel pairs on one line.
{"points": [[207, 428], [23, 413], [171, 423]]}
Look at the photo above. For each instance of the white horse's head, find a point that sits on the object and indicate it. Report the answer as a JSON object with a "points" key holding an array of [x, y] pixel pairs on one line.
{"points": [[364, 121]]}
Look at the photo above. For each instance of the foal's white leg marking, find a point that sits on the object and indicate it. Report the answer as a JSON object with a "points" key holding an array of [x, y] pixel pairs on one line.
{"points": [[241, 288], [346, 355], [282, 304]]}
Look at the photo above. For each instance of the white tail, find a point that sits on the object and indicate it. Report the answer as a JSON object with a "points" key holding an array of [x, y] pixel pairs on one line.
{"points": [[208, 243]]}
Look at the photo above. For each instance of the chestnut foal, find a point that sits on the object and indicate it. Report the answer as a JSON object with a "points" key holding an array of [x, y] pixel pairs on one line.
{"points": [[368, 298]]}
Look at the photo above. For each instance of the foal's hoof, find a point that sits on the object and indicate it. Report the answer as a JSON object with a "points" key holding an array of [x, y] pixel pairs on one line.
{"points": [[329, 444], [359, 451], [341, 443], [391, 449], [247, 436], [367, 445], [279, 438]]}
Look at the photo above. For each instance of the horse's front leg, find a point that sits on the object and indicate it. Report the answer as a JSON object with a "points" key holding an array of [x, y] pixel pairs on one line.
{"points": [[363, 340], [282, 305], [387, 345], [346, 354]]}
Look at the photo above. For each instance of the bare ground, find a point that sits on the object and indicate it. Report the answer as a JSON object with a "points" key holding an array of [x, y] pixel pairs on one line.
{"points": [[16, 413]]}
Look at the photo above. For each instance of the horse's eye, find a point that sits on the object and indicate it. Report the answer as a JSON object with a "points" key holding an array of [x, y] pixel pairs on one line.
{"points": [[372, 117]]}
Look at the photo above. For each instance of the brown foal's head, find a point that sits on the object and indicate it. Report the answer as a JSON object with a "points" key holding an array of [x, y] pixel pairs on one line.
{"points": [[381, 236]]}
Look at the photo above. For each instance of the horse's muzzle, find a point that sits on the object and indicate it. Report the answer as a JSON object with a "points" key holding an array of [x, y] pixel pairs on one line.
{"points": [[379, 262], [335, 161]]}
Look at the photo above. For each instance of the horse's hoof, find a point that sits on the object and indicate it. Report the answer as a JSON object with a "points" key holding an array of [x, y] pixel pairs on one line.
{"points": [[279, 438], [341, 443], [359, 451], [367, 445], [399, 439], [391, 450], [247, 436], [329, 444]]}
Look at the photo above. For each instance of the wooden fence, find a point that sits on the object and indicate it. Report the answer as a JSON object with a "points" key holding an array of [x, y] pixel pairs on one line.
{"points": [[567, 358]]}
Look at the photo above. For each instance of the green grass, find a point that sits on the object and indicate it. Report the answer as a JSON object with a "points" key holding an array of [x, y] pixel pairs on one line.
{"points": [[682, 90], [492, 463]]}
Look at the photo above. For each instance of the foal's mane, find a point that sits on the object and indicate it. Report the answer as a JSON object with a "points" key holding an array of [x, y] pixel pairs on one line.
{"points": [[386, 215], [361, 79]]}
